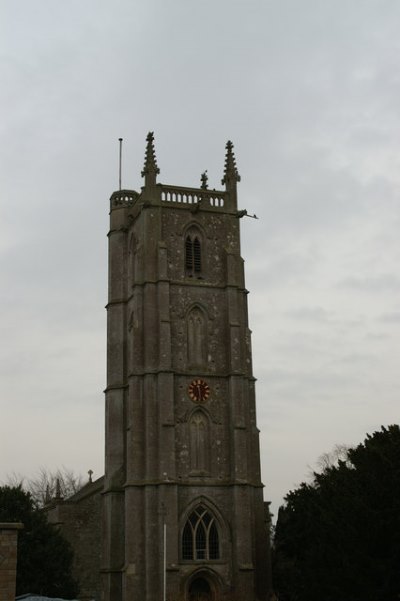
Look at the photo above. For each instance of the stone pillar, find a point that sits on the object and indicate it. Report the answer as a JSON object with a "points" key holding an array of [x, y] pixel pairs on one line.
{"points": [[8, 559]]}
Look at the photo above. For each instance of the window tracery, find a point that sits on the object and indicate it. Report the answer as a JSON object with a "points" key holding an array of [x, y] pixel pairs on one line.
{"points": [[200, 539]]}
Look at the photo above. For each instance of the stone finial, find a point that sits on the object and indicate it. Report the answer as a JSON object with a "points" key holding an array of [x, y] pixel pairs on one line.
{"points": [[90, 472], [231, 174], [204, 180], [150, 169]]}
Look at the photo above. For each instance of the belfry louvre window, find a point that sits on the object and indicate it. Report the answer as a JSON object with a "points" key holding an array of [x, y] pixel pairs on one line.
{"points": [[193, 255], [200, 539]]}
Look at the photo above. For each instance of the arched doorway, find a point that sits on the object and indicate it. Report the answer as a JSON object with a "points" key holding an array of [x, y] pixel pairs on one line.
{"points": [[200, 590]]}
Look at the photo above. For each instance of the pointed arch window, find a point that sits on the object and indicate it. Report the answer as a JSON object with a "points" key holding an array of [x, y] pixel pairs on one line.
{"points": [[200, 539], [193, 259]]}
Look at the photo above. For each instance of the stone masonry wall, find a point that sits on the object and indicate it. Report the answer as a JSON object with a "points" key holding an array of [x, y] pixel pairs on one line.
{"points": [[8, 560]]}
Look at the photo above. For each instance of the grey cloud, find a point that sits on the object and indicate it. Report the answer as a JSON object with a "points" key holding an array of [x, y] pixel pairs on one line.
{"points": [[393, 317], [317, 314], [374, 283], [377, 337]]}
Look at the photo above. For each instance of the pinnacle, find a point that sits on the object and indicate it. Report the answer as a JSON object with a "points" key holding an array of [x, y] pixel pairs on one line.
{"points": [[231, 174], [204, 180], [150, 161]]}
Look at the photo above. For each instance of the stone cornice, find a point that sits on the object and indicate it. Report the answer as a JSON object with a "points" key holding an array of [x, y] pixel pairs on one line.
{"points": [[176, 283], [196, 482]]}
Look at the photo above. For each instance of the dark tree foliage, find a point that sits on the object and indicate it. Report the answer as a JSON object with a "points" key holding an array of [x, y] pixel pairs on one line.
{"points": [[338, 538], [44, 556]]}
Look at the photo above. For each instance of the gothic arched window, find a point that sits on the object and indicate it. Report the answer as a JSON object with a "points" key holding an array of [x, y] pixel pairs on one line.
{"points": [[193, 262], [200, 540]]}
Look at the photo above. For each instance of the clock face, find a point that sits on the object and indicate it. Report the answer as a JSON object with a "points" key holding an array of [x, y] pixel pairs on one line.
{"points": [[199, 390]]}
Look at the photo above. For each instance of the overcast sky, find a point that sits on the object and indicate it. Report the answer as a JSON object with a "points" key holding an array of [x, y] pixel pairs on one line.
{"points": [[309, 92]]}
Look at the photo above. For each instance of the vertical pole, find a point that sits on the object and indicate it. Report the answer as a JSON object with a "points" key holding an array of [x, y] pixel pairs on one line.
{"points": [[165, 562], [120, 161], [163, 514]]}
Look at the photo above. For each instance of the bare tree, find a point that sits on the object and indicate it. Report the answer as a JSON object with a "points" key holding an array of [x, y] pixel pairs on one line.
{"points": [[327, 460], [47, 485], [14, 480], [62, 483], [330, 459]]}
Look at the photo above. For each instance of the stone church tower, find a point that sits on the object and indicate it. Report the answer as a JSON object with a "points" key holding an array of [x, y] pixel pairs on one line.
{"points": [[183, 501]]}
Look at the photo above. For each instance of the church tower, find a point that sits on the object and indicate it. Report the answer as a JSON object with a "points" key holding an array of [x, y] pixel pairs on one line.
{"points": [[184, 515]]}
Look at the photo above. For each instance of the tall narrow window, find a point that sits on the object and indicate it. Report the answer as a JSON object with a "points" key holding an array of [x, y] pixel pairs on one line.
{"points": [[193, 260], [200, 540]]}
